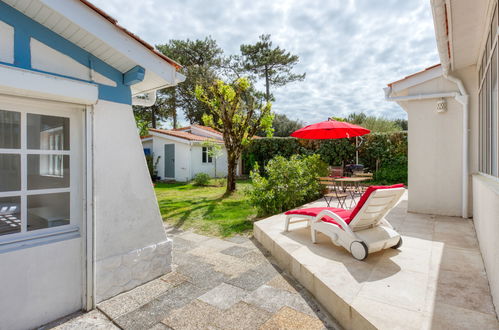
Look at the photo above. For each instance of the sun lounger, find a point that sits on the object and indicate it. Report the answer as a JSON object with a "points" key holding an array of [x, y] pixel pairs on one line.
{"points": [[362, 230]]}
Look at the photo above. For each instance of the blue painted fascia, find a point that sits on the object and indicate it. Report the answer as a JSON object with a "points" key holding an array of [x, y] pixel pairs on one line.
{"points": [[134, 75], [25, 28]]}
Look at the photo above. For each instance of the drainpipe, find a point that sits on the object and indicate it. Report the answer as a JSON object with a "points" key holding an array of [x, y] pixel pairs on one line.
{"points": [[148, 101]]}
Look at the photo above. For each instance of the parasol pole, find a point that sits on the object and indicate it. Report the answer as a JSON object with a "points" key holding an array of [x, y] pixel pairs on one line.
{"points": [[356, 150]]}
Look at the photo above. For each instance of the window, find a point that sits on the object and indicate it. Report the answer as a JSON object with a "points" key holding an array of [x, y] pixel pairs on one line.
{"points": [[35, 189], [488, 104], [207, 158]]}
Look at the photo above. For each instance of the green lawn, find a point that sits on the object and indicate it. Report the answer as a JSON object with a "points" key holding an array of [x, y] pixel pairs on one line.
{"points": [[205, 209]]}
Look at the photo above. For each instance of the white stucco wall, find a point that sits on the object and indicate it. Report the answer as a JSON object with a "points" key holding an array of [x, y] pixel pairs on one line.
{"points": [[33, 293], [199, 167], [131, 245], [435, 147], [486, 219], [182, 158]]}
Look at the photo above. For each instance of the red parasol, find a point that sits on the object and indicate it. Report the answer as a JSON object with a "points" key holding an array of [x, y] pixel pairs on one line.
{"points": [[330, 129]]}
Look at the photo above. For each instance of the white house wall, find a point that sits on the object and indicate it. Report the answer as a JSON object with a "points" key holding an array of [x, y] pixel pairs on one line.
{"points": [[40, 290], [131, 245], [435, 152], [6, 43], [182, 158], [199, 167]]}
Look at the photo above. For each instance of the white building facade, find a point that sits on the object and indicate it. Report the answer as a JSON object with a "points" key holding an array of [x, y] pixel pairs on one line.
{"points": [[183, 153], [454, 124], [79, 221]]}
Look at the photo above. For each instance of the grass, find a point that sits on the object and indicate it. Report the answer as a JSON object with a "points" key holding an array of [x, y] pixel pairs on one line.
{"points": [[205, 209]]}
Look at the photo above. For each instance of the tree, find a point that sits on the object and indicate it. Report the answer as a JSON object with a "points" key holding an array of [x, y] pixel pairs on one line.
{"points": [[283, 126], [270, 63], [201, 60], [214, 150], [149, 117], [238, 113], [373, 123]]}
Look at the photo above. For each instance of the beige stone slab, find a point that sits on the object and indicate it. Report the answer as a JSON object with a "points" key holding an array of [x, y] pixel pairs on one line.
{"points": [[407, 258], [451, 317], [402, 288], [385, 316], [193, 237], [282, 283]]}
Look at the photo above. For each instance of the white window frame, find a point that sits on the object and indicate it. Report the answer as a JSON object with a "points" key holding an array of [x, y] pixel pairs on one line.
{"points": [[209, 159], [76, 152]]}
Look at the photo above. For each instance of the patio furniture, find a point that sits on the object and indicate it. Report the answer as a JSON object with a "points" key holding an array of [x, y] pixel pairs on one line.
{"points": [[333, 191], [362, 230], [352, 186], [336, 171]]}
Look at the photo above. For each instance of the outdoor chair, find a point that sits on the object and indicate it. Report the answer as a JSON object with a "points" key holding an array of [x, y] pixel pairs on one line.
{"points": [[362, 230], [333, 191]]}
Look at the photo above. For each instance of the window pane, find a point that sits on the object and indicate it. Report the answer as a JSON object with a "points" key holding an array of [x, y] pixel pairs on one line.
{"points": [[48, 171], [493, 115], [10, 136], [204, 154], [48, 210], [10, 172], [48, 132], [10, 215]]}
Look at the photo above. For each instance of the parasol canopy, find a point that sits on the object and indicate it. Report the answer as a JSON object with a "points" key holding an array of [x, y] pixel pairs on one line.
{"points": [[330, 129]]}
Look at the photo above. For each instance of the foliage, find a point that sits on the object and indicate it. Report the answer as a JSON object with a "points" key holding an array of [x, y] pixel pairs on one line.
{"points": [[235, 111], [377, 151], [150, 117], [273, 64], [393, 171], [201, 179], [283, 126], [201, 59], [288, 183], [218, 182], [152, 165], [373, 123], [142, 125], [205, 209]]}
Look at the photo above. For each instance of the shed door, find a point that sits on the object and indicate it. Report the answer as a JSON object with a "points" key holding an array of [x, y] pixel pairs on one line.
{"points": [[41, 211], [169, 160]]}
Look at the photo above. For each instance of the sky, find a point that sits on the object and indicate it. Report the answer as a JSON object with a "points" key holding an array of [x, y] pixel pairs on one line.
{"points": [[349, 49]]}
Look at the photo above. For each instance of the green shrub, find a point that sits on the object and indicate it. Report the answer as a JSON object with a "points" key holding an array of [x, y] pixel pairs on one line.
{"points": [[201, 179], [219, 182], [394, 171], [288, 183]]}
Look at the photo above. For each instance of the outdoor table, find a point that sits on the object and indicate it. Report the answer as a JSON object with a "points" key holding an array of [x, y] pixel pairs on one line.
{"points": [[354, 183]]}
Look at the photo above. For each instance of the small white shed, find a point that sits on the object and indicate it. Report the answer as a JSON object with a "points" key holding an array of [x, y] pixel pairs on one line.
{"points": [[183, 154], [79, 221]]}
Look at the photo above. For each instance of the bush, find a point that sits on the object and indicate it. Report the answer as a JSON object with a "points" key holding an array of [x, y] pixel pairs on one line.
{"points": [[219, 182], [201, 179], [394, 171], [152, 166], [288, 183]]}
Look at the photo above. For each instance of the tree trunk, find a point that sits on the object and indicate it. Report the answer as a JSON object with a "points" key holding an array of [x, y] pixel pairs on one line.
{"points": [[153, 117], [231, 173], [174, 114], [267, 87]]}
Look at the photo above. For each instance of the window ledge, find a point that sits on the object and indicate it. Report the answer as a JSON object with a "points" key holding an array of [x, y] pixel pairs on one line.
{"points": [[39, 237]]}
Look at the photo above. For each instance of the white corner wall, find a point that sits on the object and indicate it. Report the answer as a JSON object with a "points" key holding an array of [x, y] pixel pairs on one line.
{"points": [[131, 245], [486, 220], [182, 158], [209, 168]]}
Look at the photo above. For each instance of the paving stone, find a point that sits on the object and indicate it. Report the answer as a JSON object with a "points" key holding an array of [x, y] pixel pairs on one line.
{"points": [[236, 251], [223, 296], [180, 244], [196, 315], [190, 236], [238, 239], [272, 299], [251, 280], [174, 278], [119, 305], [242, 316], [91, 320], [202, 274], [279, 282], [160, 326], [288, 318], [181, 295], [144, 317], [147, 292]]}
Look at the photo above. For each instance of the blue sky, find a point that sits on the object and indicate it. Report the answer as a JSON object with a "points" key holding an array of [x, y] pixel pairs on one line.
{"points": [[350, 49]]}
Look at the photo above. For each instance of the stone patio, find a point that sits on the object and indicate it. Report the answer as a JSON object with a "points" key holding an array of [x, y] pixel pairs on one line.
{"points": [[436, 280], [215, 284]]}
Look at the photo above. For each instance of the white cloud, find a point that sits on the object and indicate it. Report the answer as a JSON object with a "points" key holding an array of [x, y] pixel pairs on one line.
{"points": [[350, 49]]}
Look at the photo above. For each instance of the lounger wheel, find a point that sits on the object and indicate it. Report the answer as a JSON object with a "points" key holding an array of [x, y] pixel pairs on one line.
{"points": [[399, 244], [359, 250]]}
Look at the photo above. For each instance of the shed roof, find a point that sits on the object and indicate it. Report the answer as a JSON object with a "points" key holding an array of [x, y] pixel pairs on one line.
{"points": [[183, 135]]}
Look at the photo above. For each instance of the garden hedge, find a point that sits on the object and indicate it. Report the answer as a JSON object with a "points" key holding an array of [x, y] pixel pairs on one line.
{"points": [[385, 154]]}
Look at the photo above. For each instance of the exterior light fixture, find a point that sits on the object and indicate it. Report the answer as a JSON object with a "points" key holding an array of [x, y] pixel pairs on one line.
{"points": [[441, 106]]}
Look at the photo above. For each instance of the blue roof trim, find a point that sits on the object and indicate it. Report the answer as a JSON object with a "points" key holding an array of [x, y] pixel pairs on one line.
{"points": [[25, 28], [134, 75]]}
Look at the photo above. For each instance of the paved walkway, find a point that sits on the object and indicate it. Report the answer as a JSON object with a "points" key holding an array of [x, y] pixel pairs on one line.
{"points": [[215, 284]]}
